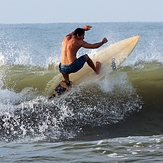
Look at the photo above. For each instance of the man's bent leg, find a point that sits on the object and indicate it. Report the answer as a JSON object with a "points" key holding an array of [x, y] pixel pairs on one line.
{"points": [[91, 64], [66, 77]]}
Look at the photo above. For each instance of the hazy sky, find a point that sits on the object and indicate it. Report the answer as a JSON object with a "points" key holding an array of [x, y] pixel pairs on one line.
{"points": [[81, 11]]}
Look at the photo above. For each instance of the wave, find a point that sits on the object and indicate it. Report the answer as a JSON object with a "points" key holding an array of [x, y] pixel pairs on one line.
{"points": [[19, 77], [146, 77], [125, 102], [25, 112]]}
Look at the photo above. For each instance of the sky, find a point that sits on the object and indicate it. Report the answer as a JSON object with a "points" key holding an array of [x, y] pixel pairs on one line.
{"points": [[80, 11]]}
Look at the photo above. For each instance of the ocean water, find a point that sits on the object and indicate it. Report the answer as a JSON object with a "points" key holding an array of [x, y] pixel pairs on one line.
{"points": [[117, 119]]}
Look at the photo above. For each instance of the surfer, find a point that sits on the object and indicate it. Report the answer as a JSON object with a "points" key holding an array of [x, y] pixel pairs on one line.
{"points": [[69, 62]]}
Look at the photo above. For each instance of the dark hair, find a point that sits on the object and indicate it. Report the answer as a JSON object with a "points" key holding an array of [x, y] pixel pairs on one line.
{"points": [[78, 31]]}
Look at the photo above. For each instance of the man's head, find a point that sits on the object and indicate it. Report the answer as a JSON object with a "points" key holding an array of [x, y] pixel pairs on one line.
{"points": [[79, 32]]}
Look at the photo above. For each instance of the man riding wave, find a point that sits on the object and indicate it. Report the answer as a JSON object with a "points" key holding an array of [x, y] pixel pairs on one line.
{"points": [[70, 46]]}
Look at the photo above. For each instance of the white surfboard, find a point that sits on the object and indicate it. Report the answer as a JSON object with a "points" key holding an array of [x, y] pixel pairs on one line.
{"points": [[110, 58]]}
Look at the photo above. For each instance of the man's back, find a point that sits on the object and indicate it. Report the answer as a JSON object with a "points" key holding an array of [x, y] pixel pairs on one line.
{"points": [[70, 46]]}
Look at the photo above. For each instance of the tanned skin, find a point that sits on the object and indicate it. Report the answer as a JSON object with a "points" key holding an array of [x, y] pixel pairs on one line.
{"points": [[70, 46]]}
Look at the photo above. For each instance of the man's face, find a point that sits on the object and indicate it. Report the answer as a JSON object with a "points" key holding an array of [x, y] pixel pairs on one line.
{"points": [[81, 37]]}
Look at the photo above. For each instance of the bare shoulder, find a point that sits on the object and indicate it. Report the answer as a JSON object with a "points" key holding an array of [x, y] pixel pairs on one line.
{"points": [[82, 43], [77, 41], [68, 37]]}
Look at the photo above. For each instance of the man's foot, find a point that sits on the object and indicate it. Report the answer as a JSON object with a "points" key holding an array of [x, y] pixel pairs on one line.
{"points": [[98, 67], [66, 85]]}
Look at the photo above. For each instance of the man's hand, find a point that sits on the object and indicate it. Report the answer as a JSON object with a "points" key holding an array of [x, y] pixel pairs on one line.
{"points": [[104, 40], [87, 27]]}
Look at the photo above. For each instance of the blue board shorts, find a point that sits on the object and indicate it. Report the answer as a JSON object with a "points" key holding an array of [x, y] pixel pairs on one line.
{"points": [[73, 67]]}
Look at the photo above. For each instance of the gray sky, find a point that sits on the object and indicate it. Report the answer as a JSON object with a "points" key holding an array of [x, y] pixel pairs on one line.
{"points": [[81, 11]]}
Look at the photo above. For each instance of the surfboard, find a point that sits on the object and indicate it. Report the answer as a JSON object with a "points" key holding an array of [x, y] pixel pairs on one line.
{"points": [[110, 57]]}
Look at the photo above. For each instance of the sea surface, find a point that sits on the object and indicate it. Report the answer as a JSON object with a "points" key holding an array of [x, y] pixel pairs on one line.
{"points": [[114, 120]]}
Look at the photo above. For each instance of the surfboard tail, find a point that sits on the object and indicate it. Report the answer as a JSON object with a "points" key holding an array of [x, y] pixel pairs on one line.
{"points": [[52, 84]]}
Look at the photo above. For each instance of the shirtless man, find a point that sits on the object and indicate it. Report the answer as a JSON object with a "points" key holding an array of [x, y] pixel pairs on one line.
{"points": [[69, 62]]}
